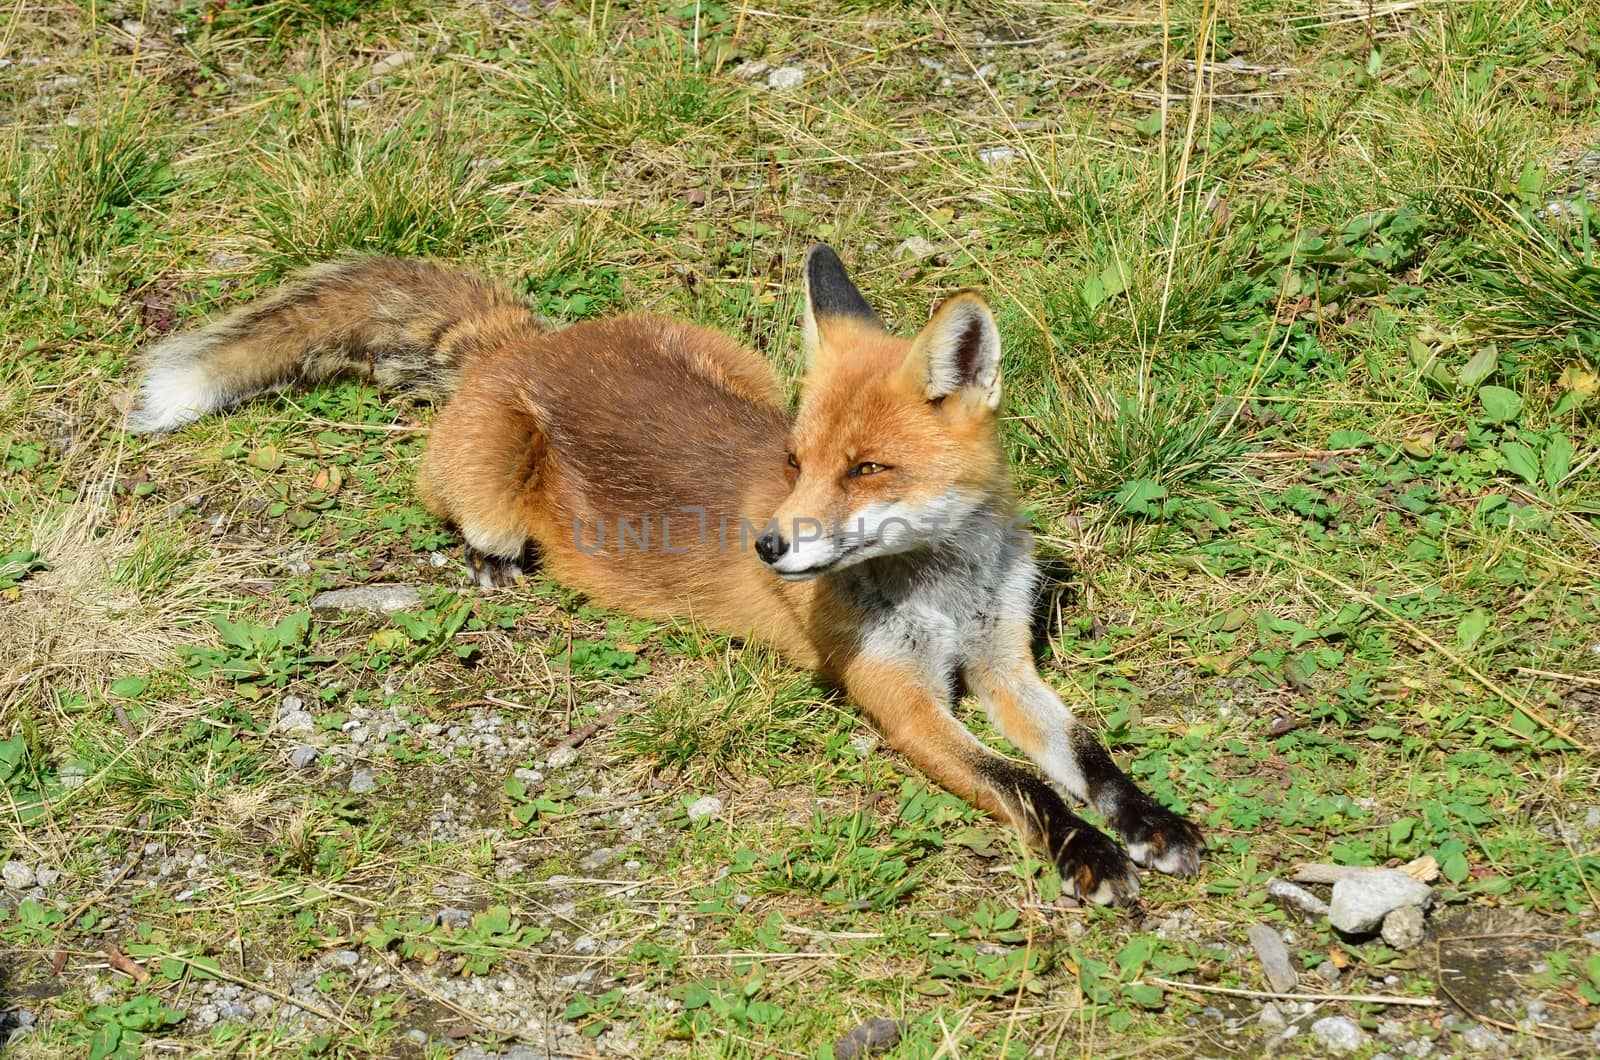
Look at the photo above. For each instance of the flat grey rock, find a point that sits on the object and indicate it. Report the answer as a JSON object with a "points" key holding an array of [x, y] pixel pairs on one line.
{"points": [[598, 859], [1297, 897], [455, 917], [1275, 959], [1360, 902], [377, 599], [302, 756]]}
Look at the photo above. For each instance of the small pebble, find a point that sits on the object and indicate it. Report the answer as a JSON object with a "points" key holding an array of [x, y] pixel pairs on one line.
{"points": [[705, 808], [362, 781], [868, 1039], [17, 876], [1337, 1034], [596, 860], [302, 756], [786, 78], [1403, 929]]}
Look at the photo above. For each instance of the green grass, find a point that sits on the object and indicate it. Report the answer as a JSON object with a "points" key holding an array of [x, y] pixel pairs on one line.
{"points": [[1302, 395]]}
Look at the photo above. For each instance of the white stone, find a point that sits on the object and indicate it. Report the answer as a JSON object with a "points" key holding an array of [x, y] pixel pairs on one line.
{"points": [[1361, 901], [705, 808], [915, 247], [1403, 928], [1291, 894], [997, 156], [786, 78], [1337, 1034], [296, 722], [17, 876]]}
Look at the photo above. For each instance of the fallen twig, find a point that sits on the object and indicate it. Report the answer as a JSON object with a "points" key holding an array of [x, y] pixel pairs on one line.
{"points": [[582, 733], [1365, 999], [125, 964], [1425, 869], [124, 721]]}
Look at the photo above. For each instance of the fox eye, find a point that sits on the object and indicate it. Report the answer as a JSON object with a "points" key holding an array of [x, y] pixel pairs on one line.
{"points": [[793, 462], [866, 467]]}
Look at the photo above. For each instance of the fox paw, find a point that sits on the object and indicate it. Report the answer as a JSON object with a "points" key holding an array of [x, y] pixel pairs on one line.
{"points": [[492, 572], [1094, 868], [1159, 839]]}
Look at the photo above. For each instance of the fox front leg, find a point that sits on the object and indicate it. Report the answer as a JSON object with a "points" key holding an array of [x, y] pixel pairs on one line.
{"points": [[916, 721], [1030, 714]]}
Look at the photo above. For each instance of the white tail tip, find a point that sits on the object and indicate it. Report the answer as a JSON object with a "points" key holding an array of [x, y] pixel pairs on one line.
{"points": [[171, 395]]}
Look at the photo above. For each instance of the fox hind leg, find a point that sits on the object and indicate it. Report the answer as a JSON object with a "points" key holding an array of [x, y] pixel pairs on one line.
{"points": [[489, 571], [482, 472]]}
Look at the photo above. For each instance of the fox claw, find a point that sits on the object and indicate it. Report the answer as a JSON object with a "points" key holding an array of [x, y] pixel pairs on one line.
{"points": [[492, 572], [1094, 869], [1159, 839]]}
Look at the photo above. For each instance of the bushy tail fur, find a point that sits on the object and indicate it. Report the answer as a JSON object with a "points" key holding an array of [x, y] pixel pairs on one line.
{"points": [[402, 323]]}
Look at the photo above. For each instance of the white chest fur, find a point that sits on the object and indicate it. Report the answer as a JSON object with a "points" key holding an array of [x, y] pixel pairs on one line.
{"points": [[938, 606]]}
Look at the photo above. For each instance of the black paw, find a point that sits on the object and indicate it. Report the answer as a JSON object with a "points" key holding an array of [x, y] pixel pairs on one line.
{"points": [[493, 572], [1159, 839], [1095, 869]]}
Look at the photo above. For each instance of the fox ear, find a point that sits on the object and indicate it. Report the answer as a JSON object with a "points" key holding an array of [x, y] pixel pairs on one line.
{"points": [[958, 352], [834, 306]]}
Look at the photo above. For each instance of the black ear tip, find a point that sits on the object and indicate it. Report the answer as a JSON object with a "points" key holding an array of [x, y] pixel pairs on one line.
{"points": [[830, 290], [822, 254]]}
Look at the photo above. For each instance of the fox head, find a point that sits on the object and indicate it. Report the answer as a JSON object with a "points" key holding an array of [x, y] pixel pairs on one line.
{"points": [[895, 445]]}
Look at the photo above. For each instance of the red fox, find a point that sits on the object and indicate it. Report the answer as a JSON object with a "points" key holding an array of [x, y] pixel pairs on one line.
{"points": [[872, 536]]}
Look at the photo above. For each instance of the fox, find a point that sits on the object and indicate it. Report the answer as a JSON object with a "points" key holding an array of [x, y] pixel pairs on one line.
{"points": [[871, 535]]}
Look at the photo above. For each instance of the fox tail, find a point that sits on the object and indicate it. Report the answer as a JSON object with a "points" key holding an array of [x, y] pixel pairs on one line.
{"points": [[402, 323]]}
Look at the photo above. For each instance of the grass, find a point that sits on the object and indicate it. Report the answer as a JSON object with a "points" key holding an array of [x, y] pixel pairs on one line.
{"points": [[1300, 312]]}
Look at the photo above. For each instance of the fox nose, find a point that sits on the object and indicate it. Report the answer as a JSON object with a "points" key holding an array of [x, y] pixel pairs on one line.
{"points": [[771, 546]]}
